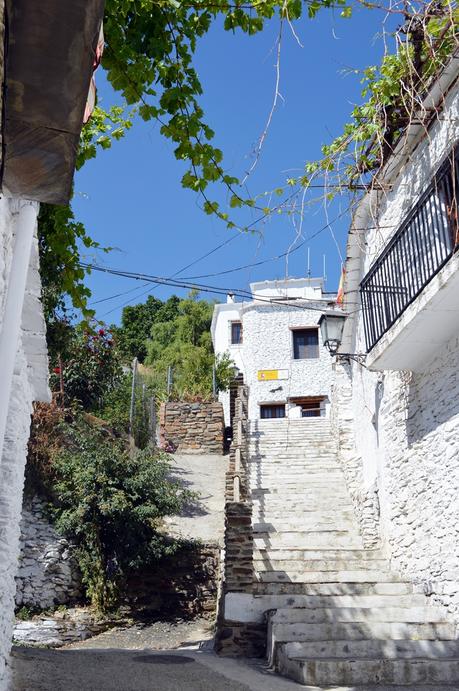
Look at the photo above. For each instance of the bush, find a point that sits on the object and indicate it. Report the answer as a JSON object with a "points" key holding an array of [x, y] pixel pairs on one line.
{"points": [[111, 504], [91, 367]]}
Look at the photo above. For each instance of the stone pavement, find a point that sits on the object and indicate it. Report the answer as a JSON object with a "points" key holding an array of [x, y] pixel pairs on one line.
{"points": [[204, 519]]}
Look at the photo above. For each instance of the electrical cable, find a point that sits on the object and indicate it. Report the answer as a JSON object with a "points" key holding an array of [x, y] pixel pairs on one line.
{"points": [[162, 280]]}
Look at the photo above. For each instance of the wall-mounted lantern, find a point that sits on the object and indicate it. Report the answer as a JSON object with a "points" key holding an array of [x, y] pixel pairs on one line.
{"points": [[331, 328]]}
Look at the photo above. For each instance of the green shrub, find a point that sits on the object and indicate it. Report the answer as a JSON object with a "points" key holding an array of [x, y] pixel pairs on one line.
{"points": [[111, 503]]}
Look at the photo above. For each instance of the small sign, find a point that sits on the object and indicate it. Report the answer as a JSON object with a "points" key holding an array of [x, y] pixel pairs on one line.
{"points": [[272, 374]]}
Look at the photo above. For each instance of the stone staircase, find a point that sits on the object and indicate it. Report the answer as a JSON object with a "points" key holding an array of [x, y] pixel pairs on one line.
{"points": [[337, 615]]}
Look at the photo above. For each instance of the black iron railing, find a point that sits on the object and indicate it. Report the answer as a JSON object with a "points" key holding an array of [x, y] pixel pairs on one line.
{"points": [[418, 250]]}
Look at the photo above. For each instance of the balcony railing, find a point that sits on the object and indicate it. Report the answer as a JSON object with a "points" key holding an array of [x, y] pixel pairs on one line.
{"points": [[418, 250]]}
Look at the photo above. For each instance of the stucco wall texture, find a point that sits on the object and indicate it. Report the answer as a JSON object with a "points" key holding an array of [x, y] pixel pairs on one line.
{"points": [[406, 425], [30, 373], [268, 344]]}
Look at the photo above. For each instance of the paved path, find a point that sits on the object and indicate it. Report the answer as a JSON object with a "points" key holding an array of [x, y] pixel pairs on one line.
{"points": [[123, 670], [205, 518]]}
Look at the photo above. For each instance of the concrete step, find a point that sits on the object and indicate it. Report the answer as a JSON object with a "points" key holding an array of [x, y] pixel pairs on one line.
{"points": [[327, 672], [329, 554], [412, 615], [327, 577], [332, 589], [389, 650], [355, 631], [299, 566], [304, 539]]}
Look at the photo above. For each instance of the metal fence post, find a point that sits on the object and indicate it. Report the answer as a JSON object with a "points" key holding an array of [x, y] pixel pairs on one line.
{"points": [[132, 408]]}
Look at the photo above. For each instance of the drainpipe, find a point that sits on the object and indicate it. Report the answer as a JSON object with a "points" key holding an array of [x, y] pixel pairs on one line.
{"points": [[23, 227]]}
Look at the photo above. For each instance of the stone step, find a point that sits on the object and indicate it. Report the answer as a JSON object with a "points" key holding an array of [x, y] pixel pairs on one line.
{"points": [[263, 603], [264, 515], [300, 566], [327, 672], [389, 650], [296, 492], [267, 524], [347, 631], [330, 554], [303, 480], [411, 615], [305, 522], [304, 539], [327, 577], [332, 589], [278, 500]]}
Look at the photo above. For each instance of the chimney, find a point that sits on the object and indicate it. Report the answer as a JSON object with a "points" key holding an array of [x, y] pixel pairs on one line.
{"points": [[230, 297]]}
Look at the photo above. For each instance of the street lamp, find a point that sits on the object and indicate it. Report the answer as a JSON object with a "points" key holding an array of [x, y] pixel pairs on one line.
{"points": [[331, 328]]}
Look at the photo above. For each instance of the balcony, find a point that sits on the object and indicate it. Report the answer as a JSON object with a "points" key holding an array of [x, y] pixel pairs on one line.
{"points": [[410, 296]]}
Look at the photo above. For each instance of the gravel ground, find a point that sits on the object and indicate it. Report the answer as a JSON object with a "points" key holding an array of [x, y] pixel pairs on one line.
{"points": [[160, 635]]}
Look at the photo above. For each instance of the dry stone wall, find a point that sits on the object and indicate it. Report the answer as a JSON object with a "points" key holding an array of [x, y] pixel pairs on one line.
{"points": [[48, 574], [193, 427]]}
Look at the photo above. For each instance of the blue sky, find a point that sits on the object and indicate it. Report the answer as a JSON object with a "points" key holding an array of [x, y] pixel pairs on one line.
{"points": [[130, 197]]}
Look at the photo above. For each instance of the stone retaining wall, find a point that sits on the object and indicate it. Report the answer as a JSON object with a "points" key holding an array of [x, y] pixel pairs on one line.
{"points": [[48, 574], [184, 584], [192, 427], [234, 638]]}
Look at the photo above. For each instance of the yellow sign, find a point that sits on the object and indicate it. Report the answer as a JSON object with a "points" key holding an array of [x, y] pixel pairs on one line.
{"points": [[272, 374]]}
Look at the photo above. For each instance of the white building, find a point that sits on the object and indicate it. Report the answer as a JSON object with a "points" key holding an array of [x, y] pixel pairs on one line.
{"points": [[40, 129], [275, 343], [398, 418]]}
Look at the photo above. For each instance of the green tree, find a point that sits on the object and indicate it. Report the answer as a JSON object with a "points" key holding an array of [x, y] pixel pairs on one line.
{"points": [[137, 322], [185, 344]]}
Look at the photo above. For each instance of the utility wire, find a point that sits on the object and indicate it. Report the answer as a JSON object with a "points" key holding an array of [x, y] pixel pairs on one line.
{"points": [[162, 280]]}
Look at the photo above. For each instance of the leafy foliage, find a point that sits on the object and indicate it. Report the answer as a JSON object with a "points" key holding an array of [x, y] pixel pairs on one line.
{"points": [[137, 322], [392, 96], [108, 501], [184, 343], [148, 58], [90, 365]]}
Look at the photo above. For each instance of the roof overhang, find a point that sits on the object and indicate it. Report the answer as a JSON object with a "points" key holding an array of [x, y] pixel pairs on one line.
{"points": [[49, 56]]}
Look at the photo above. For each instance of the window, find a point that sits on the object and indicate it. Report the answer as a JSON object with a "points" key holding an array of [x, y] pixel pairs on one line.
{"points": [[310, 406], [272, 411], [236, 333], [305, 344], [310, 409]]}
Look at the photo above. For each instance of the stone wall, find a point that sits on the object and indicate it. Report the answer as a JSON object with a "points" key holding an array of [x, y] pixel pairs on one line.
{"points": [[182, 585], [48, 574], [405, 425], [234, 638], [364, 498], [193, 427]]}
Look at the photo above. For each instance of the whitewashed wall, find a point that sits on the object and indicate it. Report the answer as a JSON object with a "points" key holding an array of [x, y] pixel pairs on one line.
{"points": [[406, 426], [268, 345], [29, 383]]}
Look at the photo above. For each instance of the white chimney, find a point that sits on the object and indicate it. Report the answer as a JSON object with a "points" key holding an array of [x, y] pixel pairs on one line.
{"points": [[230, 297]]}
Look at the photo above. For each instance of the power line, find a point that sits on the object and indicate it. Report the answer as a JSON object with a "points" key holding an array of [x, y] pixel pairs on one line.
{"points": [[162, 280], [177, 273]]}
